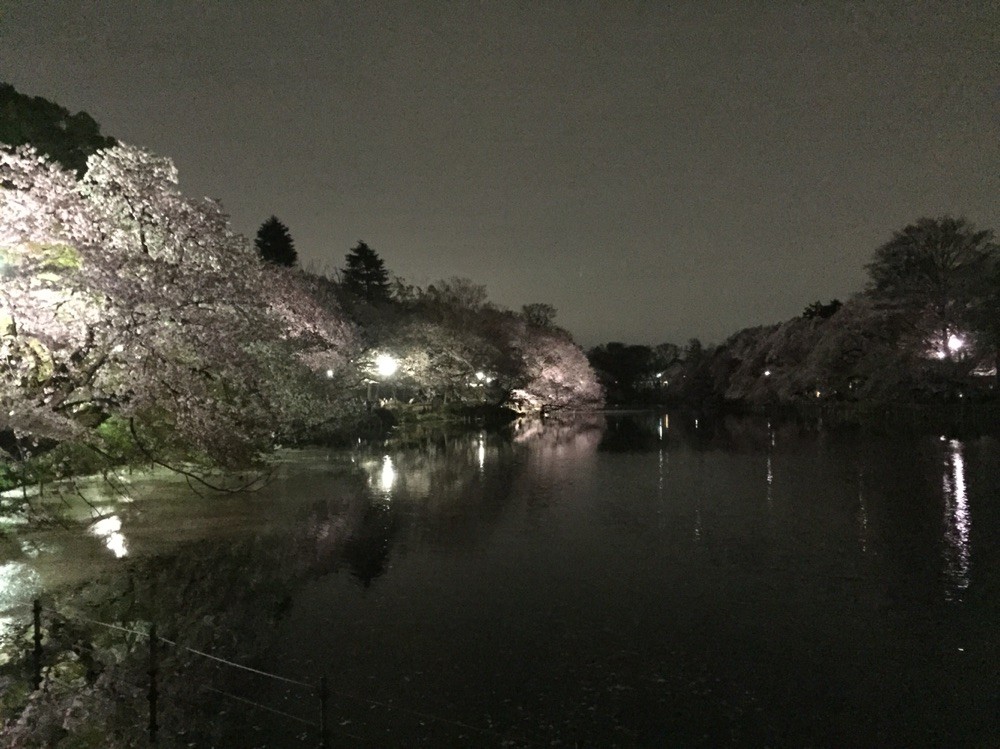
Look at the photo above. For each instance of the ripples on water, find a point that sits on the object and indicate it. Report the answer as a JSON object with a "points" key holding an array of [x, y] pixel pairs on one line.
{"points": [[640, 580]]}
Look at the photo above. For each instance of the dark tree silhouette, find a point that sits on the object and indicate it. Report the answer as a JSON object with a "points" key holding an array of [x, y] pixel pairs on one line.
{"points": [[67, 138], [365, 275], [539, 314], [930, 262], [822, 311], [275, 244], [933, 270]]}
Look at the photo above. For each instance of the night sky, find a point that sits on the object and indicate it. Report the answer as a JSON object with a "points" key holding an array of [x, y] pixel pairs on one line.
{"points": [[656, 170]]}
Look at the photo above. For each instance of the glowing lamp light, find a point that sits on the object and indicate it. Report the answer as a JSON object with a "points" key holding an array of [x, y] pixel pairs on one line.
{"points": [[767, 372], [386, 365], [955, 343]]}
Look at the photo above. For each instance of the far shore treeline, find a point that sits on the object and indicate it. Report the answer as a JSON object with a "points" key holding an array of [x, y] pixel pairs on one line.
{"points": [[926, 330], [137, 327]]}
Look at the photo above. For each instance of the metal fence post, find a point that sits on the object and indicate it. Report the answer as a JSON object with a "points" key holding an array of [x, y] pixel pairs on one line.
{"points": [[153, 694], [37, 610]]}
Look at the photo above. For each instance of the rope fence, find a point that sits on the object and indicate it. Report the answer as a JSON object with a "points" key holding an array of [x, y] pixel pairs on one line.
{"points": [[320, 691]]}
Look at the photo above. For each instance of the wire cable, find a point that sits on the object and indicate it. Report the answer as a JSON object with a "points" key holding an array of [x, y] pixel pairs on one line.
{"points": [[262, 707]]}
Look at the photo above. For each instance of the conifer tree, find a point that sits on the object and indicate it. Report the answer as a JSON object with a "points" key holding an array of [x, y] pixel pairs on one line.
{"points": [[365, 275], [274, 243]]}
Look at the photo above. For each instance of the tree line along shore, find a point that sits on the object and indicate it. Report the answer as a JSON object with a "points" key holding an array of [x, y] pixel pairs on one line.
{"points": [[137, 327]]}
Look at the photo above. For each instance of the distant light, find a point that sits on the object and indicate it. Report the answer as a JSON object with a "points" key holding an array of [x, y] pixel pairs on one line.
{"points": [[659, 375], [329, 374], [480, 375], [818, 393], [767, 372], [386, 365], [955, 342]]}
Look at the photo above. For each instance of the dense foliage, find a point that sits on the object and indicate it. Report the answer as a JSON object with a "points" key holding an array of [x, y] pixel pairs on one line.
{"points": [[134, 320]]}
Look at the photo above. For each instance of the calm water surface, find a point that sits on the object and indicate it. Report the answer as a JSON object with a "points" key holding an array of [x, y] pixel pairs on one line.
{"points": [[618, 581]]}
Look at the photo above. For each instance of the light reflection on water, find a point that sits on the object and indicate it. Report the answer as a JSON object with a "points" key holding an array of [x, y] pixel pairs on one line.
{"points": [[109, 530], [601, 571], [862, 512], [958, 524], [387, 476]]}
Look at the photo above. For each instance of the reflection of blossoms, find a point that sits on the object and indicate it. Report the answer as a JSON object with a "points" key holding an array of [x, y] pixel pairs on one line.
{"points": [[109, 530], [582, 432]]}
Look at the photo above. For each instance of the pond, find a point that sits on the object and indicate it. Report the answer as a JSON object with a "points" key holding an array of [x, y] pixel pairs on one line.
{"points": [[619, 580]]}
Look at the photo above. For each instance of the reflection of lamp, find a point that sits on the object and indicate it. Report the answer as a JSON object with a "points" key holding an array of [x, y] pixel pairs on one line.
{"points": [[388, 476]]}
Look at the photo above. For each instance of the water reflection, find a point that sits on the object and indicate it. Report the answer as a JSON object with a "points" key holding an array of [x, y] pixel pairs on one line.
{"points": [[862, 512], [109, 530], [770, 466], [366, 549], [604, 594], [387, 476], [18, 583], [957, 521]]}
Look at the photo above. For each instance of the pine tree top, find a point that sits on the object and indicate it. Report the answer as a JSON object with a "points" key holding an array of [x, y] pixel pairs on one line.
{"points": [[274, 243]]}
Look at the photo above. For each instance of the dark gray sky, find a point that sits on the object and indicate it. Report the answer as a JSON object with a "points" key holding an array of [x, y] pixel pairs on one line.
{"points": [[655, 170]]}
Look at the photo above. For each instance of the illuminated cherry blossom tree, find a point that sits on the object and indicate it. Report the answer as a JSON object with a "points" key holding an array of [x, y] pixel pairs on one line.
{"points": [[126, 303]]}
